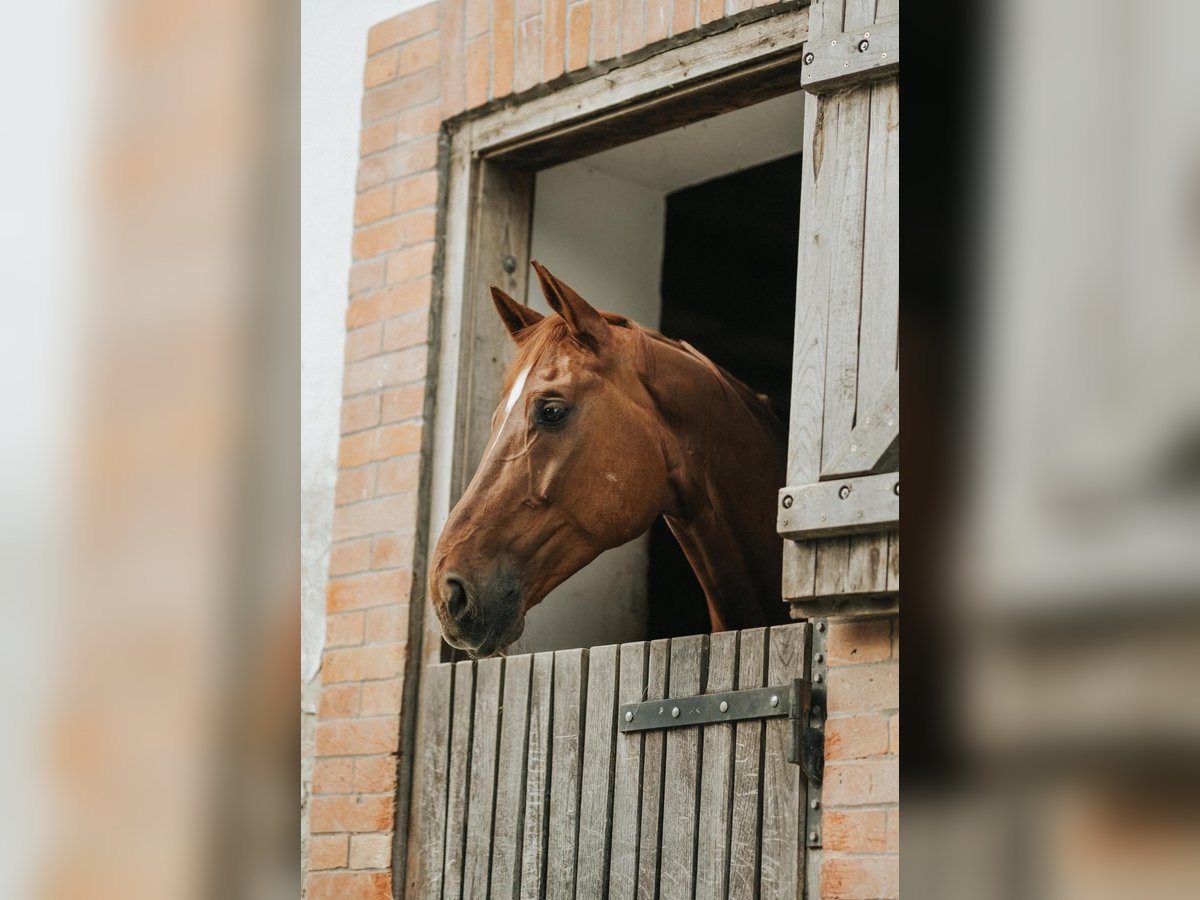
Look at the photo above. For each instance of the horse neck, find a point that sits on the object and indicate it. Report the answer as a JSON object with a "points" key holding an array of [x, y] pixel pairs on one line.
{"points": [[726, 457]]}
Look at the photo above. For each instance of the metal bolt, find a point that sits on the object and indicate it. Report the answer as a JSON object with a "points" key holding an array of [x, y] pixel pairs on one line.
{"points": [[818, 678], [674, 712], [845, 65], [844, 491], [774, 699], [628, 716], [896, 489], [863, 45], [816, 712], [724, 706], [510, 264], [883, 56], [813, 836], [816, 804], [820, 626], [787, 501], [833, 43], [820, 657], [808, 59]]}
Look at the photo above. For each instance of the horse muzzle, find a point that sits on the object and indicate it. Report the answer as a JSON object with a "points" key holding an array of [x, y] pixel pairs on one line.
{"points": [[479, 622]]}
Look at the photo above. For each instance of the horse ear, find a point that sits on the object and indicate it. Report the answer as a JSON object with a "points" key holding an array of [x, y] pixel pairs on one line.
{"points": [[515, 316], [581, 318]]}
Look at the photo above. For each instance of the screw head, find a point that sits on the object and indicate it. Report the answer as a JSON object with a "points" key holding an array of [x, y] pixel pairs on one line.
{"points": [[820, 626], [774, 699], [816, 804], [818, 678], [844, 491], [628, 716], [510, 264], [674, 712], [808, 59], [813, 836], [896, 489], [863, 45], [820, 657], [787, 501], [724, 707]]}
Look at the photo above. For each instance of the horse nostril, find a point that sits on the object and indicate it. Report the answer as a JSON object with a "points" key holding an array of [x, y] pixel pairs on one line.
{"points": [[456, 598]]}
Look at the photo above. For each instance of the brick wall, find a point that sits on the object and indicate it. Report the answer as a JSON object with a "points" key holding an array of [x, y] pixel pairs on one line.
{"points": [[424, 66]]}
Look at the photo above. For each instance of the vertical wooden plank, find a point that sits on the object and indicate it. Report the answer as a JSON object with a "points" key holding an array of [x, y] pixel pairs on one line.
{"points": [[461, 728], [570, 682], [893, 577], [681, 775], [627, 779], [653, 757], [510, 780], [783, 791], [746, 812], [427, 814], [716, 777], [887, 10], [476, 864], [858, 14], [537, 777], [596, 793]]}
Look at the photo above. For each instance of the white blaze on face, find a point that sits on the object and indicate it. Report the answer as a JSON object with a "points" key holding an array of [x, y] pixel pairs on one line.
{"points": [[514, 395]]}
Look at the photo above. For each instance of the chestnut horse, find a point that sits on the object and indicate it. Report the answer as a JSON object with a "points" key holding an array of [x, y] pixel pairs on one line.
{"points": [[603, 426]]}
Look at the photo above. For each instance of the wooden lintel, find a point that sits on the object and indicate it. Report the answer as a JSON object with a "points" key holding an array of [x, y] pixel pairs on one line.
{"points": [[874, 442], [847, 506], [863, 54]]}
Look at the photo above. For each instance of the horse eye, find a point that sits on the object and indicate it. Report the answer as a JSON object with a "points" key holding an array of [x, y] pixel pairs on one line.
{"points": [[552, 414]]}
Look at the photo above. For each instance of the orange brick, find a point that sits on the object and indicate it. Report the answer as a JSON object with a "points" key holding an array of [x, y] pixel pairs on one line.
{"points": [[360, 663], [604, 29], [868, 782], [383, 237], [359, 413], [390, 551], [859, 641], [407, 159], [355, 485], [377, 305], [416, 192], [363, 342], [864, 688], [381, 698], [375, 774], [377, 136], [502, 48], [405, 331], [340, 701], [366, 276], [477, 72], [658, 19], [477, 18], [893, 830], [737, 6], [633, 25], [862, 831], [418, 55], [344, 630], [348, 886], [711, 10], [349, 557], [355, 592], [333, 776], [420, 122], [527, 71], [386, 514], [379, 443], [371, 851], [328, 851], [413, 262], [398, 476], [404, 93], [347, 737], [554, 31], [373, 205], [683, 18], [856, 737], [580, 36], [403, 27], [403, 403], [381, 69], [860, 879], [385, 624], [386, 370], [528, 8], [452, 30]]}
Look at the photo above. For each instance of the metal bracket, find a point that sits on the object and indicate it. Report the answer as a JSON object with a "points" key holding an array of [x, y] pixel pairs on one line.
{"points": [[706, 709], [834, 63], [814, 732]]}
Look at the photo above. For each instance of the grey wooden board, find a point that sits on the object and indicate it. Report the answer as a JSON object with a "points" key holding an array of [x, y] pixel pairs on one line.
{"points": [[745, 813], [570, 680], [476, 859], [886, 10], [462, 717], [872, 504], [537, 777], [653, 759], [427, 815], [782, 790], [596, 793], [627, 779], [893, 576], [510, 779], [716, 775], [868, 449], [681, 775], [838, 62]]}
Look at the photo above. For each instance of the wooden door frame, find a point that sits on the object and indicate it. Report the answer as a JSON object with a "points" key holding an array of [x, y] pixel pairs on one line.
{"points": [[488, 160]]}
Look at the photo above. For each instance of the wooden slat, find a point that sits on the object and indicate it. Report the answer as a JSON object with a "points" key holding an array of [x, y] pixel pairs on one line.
{"points": [[783, 793], [627, 779], [893, 576], [596, 795], [510, 779], [746, 813], [873, 445], [570, 683], [649, 837], [681, 775], [886, 10], [871, 503], [427, 815], [476, 864], [716, 778], [462, 715], [537, 777]]}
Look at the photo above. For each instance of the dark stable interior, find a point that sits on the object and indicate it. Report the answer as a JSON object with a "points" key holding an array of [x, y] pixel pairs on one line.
{"points": [[728, 289]]}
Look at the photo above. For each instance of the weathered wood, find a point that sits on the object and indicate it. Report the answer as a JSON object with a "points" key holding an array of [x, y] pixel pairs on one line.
{"points": [[653, 758], [510, 779], [886, 10], [681, 774], [427, 814], [783, 794], [570, 681], [627, 779], [462, 716], [476, 863], [537, 778], [872, 444], [839, 62], [746, 812], [596, 793], [716, 777], [871, 503], [893, 575]]}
